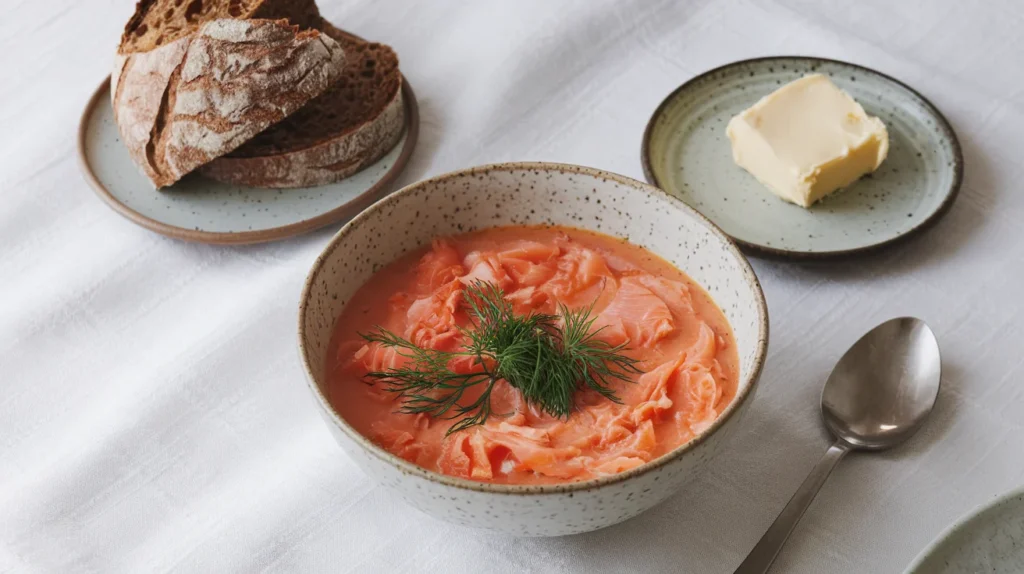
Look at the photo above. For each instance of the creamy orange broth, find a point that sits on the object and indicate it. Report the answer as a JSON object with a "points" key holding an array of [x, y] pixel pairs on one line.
{"points": [[682, 339]]}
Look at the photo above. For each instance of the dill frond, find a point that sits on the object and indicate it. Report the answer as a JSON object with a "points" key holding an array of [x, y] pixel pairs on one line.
{"points": [[547, 358]]}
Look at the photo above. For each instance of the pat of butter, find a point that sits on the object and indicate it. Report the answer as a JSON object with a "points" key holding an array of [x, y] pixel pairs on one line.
{"points": [[807, 139]]}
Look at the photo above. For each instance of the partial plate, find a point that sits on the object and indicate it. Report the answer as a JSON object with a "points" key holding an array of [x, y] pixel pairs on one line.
{"points": [[990, 539], [201, 209], [686, 152]]}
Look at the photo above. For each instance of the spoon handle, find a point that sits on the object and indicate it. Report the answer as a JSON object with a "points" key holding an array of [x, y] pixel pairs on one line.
{"points": [[761, 557]]}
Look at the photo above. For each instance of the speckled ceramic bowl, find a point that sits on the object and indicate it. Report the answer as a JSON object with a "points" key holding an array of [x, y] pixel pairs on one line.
{"points": [[534, 193]]}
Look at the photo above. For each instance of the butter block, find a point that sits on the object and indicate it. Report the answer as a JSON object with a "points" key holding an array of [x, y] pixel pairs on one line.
{"points": [[807, 139]]}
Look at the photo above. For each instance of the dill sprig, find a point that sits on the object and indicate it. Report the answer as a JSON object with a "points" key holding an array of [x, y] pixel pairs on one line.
{"points": [[546, 361]]}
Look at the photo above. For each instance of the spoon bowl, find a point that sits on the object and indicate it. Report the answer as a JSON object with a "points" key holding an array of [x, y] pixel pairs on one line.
{"points": [[884, 386]]}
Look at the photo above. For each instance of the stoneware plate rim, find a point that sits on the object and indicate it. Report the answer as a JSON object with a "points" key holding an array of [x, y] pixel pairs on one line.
{"points": [[348, 209], [960, 525], [765, 250], [409, 468]]}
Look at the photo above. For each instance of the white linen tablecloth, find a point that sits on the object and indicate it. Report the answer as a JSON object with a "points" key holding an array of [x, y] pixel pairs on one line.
{"points": [[153, 413]]}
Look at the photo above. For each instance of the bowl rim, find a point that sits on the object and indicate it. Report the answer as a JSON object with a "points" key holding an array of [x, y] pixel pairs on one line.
{"points": [[750, 382]]}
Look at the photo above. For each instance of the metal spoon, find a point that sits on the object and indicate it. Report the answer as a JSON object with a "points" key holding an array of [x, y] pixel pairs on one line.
{"points": [[876, 397]]}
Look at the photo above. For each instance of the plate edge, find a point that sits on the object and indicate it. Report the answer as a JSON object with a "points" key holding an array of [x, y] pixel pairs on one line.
{"points": [[959, 523]]}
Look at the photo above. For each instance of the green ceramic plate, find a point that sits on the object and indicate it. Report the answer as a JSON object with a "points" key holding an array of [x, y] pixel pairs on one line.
{"points": [[990, 539], [204, 210], [686, 153]]}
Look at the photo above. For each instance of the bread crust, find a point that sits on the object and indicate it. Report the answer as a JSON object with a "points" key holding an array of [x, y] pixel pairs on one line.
{"points": [[159, 22], [201, 96], [325, 162], [322, 164]]}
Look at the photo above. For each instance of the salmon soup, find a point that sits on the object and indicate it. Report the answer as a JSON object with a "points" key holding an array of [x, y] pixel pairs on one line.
{"points": [[680, 338]]}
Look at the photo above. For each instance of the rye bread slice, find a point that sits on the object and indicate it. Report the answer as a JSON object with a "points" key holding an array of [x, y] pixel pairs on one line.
{"points": [[358, 120], [202, 95], [159, 22]]}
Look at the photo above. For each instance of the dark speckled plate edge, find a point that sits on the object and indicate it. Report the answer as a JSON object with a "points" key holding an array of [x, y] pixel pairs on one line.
{"points": [[768, 251], [344, 211], [961, 528]]}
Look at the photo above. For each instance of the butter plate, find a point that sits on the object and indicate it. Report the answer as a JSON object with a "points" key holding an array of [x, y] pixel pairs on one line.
{"points": [[201, 209], [685, 151]]}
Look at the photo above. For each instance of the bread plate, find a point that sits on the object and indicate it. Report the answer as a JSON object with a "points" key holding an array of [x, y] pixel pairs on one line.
{"points": [[685, 151], [203, 210]]}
